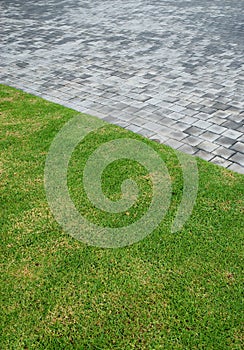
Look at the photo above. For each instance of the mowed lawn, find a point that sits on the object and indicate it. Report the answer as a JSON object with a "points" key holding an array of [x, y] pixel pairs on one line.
{"points": [[178, 290]]}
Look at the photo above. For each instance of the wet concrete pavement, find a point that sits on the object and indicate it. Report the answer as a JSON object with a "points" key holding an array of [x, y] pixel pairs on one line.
{"points": [[171, 70]]}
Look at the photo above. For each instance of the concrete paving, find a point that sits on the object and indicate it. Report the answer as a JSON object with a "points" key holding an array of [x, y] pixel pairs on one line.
{"points": [[171, 70]]}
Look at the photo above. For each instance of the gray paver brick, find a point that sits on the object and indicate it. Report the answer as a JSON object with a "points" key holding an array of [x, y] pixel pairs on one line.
{"points": [[180, 126], [133, 127], [178, 135], [173, 143], [193, 141], [209, 136], [236, 167], [204, 155], [238, 158], [121, 123], [241, 138], [189, 120], [202, 124], [177, 108], [146, 133], [187, 149], [217, 129], [166, 121], [195, 131], [159, 138], [190, 112], [238, 146], [151, 126], [207, 146], [221, 161], [232, 134], [139, 121], [223, 152], [225, 141], [221, 106]]}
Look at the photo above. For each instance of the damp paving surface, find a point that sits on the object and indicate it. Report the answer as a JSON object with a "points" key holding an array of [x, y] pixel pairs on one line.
{"points": [[169, 70]]}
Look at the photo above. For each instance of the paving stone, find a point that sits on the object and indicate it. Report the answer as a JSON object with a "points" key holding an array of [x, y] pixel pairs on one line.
{"points": [[193, 141], [238, 146], [180, 126], [177, 108], [178, 135], [175, 116], [166, 121], [119, 114], [209, 136], [223, 152], [132, 127], [151, 126], [195, 131], [189, 120], [232, 134], [238, 158], [222, 114], [173, 143], [207, 146], [164, 130], [190, 112], [241, 129], [219, 105], [238, 118], [221, 161], [195, 106], [217, 129], [187, 149], [146, 133], [208, 110], [110, 119], [236, 167], [121, 123], [232, 125], [225, 141], [139, 121], [204, 116], [204, 155], [159, 138], [120, 105], [202, 124], [241, 138]]}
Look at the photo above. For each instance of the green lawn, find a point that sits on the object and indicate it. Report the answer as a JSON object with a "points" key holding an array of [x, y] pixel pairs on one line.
{"points": [[169, 291]]}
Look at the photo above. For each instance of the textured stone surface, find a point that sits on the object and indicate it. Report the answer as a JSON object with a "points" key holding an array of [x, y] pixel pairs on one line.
{"points": [[171, 70]]}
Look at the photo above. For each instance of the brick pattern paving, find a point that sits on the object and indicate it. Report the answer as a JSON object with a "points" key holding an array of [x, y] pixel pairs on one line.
{"points": [[171, 70]]}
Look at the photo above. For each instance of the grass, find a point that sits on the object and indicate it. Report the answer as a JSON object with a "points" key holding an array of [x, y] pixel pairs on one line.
{"points": [[169, 291]]}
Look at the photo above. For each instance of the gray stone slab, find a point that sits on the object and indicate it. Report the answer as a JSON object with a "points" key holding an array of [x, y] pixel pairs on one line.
{"points": [[194, 131], [187, 149], [223, 152], [207, 146], [225, 141], [221, 161], [209, 136], [238, 146], [232, 134], [236, 167], [238, 158], [173, 143], [217, 129], [204, 155], [193, 141]]}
